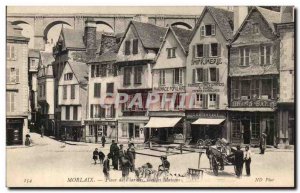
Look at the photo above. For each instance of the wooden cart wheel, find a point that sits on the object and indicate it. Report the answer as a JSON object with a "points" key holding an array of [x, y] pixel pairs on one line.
{"points": [[215, 166]]}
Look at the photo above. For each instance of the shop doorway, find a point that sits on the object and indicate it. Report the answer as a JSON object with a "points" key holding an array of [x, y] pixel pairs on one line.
{"points": [[131, 128], [247, 132], [163, 136]]}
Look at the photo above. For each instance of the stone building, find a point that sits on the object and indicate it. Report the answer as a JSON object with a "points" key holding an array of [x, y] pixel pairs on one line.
{"points": [[45, 94], [286, 102], [103, 82], [167, 120], [207, 75], [254, 78], [135, 60], [17, 88]]}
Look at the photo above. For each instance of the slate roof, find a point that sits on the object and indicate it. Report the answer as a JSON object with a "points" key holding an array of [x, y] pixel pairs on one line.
{"points": [[149, 34], [270, 16], [183, 36], [46, 58], [253, 70], [14, 32], [33, 53], [73, 38], [80, 70]]}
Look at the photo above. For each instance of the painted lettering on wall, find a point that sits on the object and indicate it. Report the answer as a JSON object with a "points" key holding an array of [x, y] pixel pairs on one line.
{"points": [[169, 88], [253, 103], [207, 86], [203, 61]]}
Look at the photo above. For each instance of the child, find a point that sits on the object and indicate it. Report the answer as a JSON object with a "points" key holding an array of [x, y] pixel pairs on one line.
{"points": [[101, 157], [106, 167], [95, 155]]}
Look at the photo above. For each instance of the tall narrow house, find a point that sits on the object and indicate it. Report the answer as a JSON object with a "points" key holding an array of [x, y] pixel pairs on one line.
{"points": [[17, 89]]}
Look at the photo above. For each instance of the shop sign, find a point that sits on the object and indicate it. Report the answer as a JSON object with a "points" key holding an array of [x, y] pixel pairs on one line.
{"points": [[207, 86], [14, 120], [169, 88], [203, 61], [206, 114], [253, 103]]}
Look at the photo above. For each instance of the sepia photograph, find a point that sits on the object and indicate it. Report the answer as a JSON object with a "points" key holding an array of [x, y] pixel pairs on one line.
{"points": [[150, 96]]}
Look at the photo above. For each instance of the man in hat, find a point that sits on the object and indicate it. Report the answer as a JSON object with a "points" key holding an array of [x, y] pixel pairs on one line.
{"points": [[239, 161], [114, 151], [263, 143]]}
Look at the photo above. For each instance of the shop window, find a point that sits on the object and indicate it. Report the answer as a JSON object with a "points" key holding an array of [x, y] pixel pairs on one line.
{"points": [[255, 127], [138, 75], [265, 55], [266, 90], [244, 56], [162, 77], [127, 47], [127, 76], [65, 93], [75, 113], [73, 91], [171, 52], [67, 112], [135, 46], [91, 130], [177, 76], [137, 131], [236, 129], [245, 89]]}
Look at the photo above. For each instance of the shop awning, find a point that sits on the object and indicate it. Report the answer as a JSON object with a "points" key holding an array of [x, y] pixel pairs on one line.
{"points": [[162, 122], [203, 121]]}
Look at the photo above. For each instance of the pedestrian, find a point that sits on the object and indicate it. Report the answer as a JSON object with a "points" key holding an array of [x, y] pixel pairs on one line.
{"points": [[126, 165], [239, 160], [131, 155], [95, 155], [114, 151], [121, 154], [164, 167], [103, 140], [106, 167], [262, 143], [247, 159], [27, 140], [101, 156], [42, 130]]}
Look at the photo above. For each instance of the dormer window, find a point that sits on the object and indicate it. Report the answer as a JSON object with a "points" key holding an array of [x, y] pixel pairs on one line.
{"points": [[208, 30], [255, 29], [171, 52], [68, 76]]}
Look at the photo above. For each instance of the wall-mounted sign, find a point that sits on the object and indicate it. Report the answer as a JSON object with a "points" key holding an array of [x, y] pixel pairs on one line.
{"points": [[253, 103], [206, 114], [203, 61], [207, 87], [169, 88]]}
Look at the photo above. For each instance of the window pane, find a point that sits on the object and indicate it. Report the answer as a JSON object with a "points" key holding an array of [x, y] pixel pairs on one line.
{"points": [[268, 54], [266, 87], [245, 85], [135, 46], [200, 50], [213, 73], [208, 30], [214, 49], [200, 74]]}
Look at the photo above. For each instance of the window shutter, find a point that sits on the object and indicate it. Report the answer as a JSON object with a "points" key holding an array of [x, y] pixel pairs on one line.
{"points": [[91, 112], [217, 101], [194, 76], [13, 55], [12, 102], [194, 51], [217, 75], [205, 101], [219, 50], [173, 76], [213, 29], [127, 47], [7, 75], [135, 46], [205, 74], [202, 31], [206, 50], [17, 75]]}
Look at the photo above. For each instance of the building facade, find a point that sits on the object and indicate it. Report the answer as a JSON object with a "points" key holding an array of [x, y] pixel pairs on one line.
{"points": [[135, 58], [169, 80], [286, 101], [254, 78], [45, 95], [72, 100], [207, 75], [17, 88], [103, 82]]}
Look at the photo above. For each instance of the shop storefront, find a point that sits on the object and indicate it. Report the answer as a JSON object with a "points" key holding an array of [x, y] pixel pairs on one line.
{"points": [[286, 124], [96, 129], [132, 130], [206, 124], [14, 131], [71, 131], [247, 127]]}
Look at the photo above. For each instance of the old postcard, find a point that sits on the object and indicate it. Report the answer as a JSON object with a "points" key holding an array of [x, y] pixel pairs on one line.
{"points": [[150, 96]]}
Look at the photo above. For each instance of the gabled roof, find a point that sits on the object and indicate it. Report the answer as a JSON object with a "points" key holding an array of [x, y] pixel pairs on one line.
{"points": [[80, 71], [46, 58], [73, 38], [33, 53], [149, 34], [269, 16], [223, 18]]}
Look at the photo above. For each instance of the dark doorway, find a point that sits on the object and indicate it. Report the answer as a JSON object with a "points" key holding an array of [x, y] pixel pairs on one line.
{"points": [[163, 134], [247, 133], [131, 127]]}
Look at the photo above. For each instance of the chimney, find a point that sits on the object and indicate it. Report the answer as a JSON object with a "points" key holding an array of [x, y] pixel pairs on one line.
{"points": [[141, 18], [240, 13], [286, 14], [90, 36]]}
